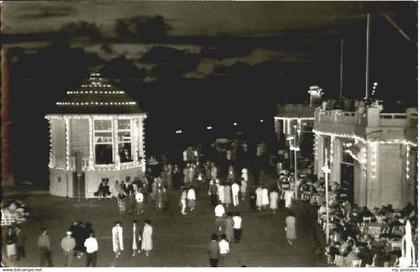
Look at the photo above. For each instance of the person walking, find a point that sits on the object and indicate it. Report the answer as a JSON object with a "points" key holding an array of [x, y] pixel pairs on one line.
{"points": [[265, 199], [219, 212], [77, 233], [290, 227], [68, 243], [147, 242], [118, 191], [11, 243], [131, 200], [288, 197], [44, 248], [117, 239], [183, 202], [258, 193], [237, 227], [91, 245], [244, 186], [228, 227], [224, 246], [20, 243], [191, 199], [214, 250], [136, 238], [227, 196], [139, 201], [274, 199], [122, 205], [221, 193], [213, 193], [159, 198], [87, 230], [235, 194]]}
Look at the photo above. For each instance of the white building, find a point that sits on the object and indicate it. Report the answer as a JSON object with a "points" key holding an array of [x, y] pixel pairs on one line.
{"points": [[96, 133], [371, 153]]}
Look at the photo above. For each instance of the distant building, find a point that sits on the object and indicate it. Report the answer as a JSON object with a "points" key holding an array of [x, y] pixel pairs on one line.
{"points": [[315, 96], [291, 122], [372, 154], [96, 133]]}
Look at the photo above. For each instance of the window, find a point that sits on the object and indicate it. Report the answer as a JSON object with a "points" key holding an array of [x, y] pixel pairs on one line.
{"points": [[124, 141], [103, 141]]}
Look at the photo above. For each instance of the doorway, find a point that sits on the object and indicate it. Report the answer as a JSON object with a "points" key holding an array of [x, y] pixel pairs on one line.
{"points": [[347, 180], [79, 185]]}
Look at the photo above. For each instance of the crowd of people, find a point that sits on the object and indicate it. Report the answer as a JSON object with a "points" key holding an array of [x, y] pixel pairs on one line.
{"points": [[14, 213], [357, 236]]}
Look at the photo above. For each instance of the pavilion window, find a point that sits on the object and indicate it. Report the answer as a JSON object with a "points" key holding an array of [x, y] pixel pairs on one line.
{"points": [[124, 141], [103, 141]]}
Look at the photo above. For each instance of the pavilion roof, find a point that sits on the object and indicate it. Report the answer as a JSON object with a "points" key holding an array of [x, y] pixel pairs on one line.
{"points": [[96, 96]]}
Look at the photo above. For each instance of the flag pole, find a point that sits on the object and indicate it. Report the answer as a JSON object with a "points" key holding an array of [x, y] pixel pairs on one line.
{"points": [[341, 68], [367, 56]]}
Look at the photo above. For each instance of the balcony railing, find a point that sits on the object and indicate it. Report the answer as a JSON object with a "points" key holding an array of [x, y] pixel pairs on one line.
{"points": [[393, 116]]}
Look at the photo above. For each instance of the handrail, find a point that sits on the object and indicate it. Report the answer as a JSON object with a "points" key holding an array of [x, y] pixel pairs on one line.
{"points": [[393, 115]]}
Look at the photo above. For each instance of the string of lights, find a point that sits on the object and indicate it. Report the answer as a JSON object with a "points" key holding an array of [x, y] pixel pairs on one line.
{"points": [[95, 103], [95, 92]]}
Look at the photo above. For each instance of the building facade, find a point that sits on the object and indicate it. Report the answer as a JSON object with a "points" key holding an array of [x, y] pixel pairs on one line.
{"points": [[293, 126], [96, 134], [372, 154]]}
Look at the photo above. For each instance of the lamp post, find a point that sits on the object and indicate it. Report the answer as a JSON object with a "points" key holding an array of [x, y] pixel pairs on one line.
{"points": [[295, 148], [326, 171]]}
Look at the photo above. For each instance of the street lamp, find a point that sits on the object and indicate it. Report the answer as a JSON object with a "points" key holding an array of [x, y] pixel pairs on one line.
{"points": [[326, 171], [295, 148]]}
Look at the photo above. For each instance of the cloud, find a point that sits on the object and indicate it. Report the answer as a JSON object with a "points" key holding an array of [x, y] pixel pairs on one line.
{"points": [[81, 29], [226, 51], [145, 28], [257, 56], [44, 12], [170, 62]]}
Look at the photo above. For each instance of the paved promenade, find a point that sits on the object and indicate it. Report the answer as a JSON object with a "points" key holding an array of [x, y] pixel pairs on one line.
{"points": [[179, 241]]}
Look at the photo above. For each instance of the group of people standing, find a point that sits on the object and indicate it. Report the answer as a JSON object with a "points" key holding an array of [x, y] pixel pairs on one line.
{"points": [[228, 230], [141, 239], [81, 240]]}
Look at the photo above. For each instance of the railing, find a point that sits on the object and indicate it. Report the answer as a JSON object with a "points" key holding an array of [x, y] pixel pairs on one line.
{"points": [[393, 116], [338, 113], [348, 113]]}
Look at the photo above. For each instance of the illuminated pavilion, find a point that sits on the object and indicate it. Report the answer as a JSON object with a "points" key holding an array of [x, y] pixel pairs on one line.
{"points": [[96, 134]]}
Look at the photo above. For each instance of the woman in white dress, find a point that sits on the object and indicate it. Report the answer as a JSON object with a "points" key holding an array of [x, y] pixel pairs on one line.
{"points": [[183, 202], [221, 193], [290, 227], [117, 239], [274, 199], [265, 200], [136, 238], [258, 194], [147, 242]]}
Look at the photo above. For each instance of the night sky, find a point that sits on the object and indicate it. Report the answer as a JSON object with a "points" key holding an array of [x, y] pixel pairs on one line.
{"points": [[193, 64]]}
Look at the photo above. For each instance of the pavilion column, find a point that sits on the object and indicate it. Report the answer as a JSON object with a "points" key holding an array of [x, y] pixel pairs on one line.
{"points": [[142, 152], [315, 150], [336, 159], [134, 139], [68, 135], [91, 144], [52, 151], [115, 142], [321, 155], [277, 129]]}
